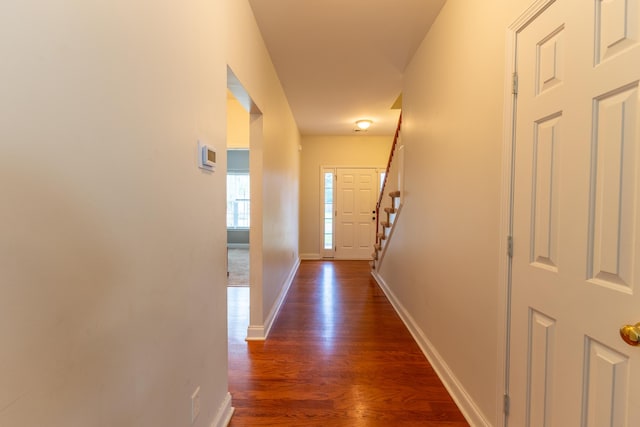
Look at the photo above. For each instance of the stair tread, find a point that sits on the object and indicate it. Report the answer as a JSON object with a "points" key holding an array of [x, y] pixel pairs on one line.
{"points": [[394, 193], [390, 210]]}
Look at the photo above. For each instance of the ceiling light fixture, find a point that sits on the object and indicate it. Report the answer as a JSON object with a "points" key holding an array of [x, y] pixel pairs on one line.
{"points": [[363, 124]]}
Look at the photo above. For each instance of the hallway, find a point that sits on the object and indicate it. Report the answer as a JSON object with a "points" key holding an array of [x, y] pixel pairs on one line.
{"points": [[338, 355]]}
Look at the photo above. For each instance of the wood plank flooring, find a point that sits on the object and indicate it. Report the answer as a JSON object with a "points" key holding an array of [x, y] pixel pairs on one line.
{"points": [[337, 355]]}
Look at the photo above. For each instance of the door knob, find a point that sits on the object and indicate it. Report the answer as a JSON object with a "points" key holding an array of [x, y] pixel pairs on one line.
{"points": [[631, 334]]}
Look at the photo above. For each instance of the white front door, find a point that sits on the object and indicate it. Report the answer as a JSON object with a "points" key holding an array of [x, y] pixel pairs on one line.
{"points": [[576, 228], [357, 191]]}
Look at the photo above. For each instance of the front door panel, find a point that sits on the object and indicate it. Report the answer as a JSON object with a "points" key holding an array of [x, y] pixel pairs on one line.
{"points": [[357, 191]]}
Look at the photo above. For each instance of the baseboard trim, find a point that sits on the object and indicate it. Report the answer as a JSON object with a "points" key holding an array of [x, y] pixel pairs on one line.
{"points": [[224, 414], [238, 245], [261, 332], [466, 404], [255, 333], [310, 256]]}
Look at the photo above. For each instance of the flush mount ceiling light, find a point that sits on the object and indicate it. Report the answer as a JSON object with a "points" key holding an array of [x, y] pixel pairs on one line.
{"points": [[363, 124]]}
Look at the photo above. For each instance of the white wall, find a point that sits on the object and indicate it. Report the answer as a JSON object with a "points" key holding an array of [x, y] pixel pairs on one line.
{"points": [[237, 124], [318, 151], [442, 262], [112, 241], [279, 157]]}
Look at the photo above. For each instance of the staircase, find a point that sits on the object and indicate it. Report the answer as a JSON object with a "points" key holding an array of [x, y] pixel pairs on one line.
{"points": [[389, 202]]}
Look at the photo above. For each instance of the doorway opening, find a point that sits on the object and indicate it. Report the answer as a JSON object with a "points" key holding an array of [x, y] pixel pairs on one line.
{"points": [[238, 216], [244, 218]]}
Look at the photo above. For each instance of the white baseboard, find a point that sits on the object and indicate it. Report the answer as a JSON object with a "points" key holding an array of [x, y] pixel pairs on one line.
{"points": [[310, 256], [261, 332], [224, 414], [255, 333], [466, 404]]}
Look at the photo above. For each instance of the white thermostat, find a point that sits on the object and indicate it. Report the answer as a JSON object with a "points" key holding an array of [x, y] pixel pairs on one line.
{"points": [[206, 157]]}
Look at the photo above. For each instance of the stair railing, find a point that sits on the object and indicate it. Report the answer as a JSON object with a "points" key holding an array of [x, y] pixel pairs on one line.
{"points": [[386, 174], [383, 193]]}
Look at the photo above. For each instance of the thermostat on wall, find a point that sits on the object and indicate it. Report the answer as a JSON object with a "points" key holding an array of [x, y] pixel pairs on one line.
{"points": [[206, 157]]}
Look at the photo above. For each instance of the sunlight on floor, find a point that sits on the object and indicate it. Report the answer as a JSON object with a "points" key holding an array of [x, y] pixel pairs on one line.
{"points": [[237, 313]]}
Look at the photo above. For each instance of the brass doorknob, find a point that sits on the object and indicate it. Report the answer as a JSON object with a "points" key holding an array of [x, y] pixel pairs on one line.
{"points": [[631, 334]]}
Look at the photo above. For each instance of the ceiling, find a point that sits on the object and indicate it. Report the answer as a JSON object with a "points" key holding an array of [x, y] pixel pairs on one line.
{"points": [[343, 60]]}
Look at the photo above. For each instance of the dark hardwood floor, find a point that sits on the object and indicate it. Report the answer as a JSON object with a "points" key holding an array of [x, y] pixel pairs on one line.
{"points": [[337, 355]]}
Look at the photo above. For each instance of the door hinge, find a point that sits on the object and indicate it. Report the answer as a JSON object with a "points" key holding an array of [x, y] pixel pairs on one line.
{"points": [[506, 403], [510, 246], [514, 86]]}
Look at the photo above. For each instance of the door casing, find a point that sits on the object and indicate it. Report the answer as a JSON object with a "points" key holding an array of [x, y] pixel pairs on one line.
{"points": [[506, 202]]}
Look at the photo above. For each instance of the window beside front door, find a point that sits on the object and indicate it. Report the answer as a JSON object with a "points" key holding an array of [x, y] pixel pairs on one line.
{"points": [[328, 213]]}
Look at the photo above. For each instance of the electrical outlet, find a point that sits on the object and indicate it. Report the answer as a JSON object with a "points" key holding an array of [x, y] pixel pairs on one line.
{"points": [[195, 404]]}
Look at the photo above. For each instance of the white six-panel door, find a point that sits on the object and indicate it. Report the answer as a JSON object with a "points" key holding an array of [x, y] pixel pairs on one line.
{"points": [[576, 226], [356, 203]]}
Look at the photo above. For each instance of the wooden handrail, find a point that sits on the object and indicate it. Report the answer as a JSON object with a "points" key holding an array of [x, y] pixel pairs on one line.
{"points": [[386, 175]]}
